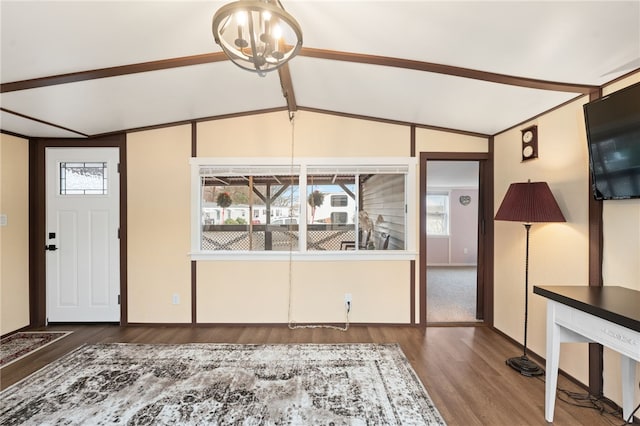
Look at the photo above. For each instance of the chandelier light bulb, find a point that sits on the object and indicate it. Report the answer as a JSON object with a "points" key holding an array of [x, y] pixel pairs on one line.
{"points": [[277, 32], [241, 17], [279, 47]]}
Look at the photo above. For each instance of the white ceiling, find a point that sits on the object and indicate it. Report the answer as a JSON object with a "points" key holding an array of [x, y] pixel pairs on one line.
{"points": [[580, 43]]}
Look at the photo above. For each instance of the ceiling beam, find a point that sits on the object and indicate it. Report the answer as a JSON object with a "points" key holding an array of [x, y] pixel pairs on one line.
{"points": [[445, 69], [37, 120], [287, 87], [113, 71], [285, 77]]}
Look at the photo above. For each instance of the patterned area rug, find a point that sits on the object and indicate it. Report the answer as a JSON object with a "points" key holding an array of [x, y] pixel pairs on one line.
{"points": [[198, 384], [19, 345]]}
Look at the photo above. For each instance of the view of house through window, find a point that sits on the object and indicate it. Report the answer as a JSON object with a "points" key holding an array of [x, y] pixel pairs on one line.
{"points": [[250, 212], [256, 208], [332, 210]]}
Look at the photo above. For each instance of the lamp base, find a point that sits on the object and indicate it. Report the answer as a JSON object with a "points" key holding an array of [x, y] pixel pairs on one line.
{"points": [[525, 366]]}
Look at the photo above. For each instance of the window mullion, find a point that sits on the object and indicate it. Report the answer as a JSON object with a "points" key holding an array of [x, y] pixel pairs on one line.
{"points": [[302, 223], [357, 215]]}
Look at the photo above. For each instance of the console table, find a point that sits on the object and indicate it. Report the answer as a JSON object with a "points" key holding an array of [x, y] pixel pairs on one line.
{"points": [[607, 315]]}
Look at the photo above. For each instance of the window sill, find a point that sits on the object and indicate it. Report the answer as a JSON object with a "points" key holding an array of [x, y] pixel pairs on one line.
{"points": [[347, 255]]}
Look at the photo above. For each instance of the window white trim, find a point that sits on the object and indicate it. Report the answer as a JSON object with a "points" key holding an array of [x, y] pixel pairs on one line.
{"points": [[302, 167], [326, 162], [306, 256]]}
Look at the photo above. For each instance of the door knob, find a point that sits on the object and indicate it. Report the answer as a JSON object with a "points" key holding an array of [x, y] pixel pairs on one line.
{"points": [[51, 247]]}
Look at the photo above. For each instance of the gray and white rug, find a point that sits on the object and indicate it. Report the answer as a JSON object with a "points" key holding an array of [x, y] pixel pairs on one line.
{"points": [[221, 384]]}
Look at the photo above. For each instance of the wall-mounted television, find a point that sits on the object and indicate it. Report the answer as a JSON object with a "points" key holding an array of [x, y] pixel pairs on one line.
{"points": [[613, 136]]}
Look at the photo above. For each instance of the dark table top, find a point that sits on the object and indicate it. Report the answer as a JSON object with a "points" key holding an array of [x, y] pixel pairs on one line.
{"points": [[619, 305]]}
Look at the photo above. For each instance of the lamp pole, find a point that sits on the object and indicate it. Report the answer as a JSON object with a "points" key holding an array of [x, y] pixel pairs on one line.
{"points": [[527, 226], [523, 364]]}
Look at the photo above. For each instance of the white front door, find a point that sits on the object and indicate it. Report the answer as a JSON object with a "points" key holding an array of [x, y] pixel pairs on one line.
{"points": [[83, 248]]}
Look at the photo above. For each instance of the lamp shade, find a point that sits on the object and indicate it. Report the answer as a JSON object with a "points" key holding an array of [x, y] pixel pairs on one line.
{"points": [[529, 202]]}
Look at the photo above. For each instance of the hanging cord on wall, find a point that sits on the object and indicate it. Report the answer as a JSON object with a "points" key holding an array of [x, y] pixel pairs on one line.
{"points": [[291, 323]]}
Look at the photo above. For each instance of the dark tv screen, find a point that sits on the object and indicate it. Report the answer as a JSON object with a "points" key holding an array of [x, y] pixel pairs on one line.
{"points": [[613, 136]]}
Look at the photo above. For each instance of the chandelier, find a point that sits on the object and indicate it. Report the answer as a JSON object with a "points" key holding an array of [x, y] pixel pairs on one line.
{"points": [[257, 35]]}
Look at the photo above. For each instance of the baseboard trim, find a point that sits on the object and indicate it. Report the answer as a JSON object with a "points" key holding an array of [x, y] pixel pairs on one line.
{"points": [[458, 324], [25, 328], [265, 324]]}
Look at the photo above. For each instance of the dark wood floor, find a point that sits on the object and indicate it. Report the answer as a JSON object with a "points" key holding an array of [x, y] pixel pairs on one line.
{"points": [[462, 368]]}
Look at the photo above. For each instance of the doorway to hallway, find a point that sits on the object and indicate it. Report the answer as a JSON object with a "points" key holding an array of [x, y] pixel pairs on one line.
{"points": [[452, 240], [455, 233]]}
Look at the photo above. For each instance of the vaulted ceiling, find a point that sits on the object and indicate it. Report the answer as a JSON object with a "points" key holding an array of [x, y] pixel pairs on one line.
{"points": [[85, 68]]}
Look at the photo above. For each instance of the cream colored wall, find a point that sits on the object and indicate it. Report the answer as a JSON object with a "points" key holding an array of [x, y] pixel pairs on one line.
{"points": [[621, 240], [558, 252], [231, 292], [264, 135], [428, 140], [314, 135], [158, 225], [14, 237], [258, 291], [324, 135]]}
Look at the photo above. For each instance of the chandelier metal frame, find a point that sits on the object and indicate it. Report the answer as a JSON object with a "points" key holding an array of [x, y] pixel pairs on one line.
{"points": [[257, 35]]}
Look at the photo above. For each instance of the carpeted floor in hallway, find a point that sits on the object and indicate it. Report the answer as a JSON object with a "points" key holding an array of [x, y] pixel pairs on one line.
{"points": [[451, 294]]}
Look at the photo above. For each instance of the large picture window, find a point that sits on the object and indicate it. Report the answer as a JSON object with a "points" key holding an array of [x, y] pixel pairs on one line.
{"points": [[301, 207]]}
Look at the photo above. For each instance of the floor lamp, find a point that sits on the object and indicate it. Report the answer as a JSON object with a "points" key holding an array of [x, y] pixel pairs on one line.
{"points": [[528, 202]]}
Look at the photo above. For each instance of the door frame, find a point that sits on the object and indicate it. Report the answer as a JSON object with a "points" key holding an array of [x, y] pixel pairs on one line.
{"points": [[37, 219], [484, 295]]}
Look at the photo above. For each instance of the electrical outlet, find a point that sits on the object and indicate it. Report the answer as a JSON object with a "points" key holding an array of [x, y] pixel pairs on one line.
{"points": [[348, 303], [176, 299]]}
